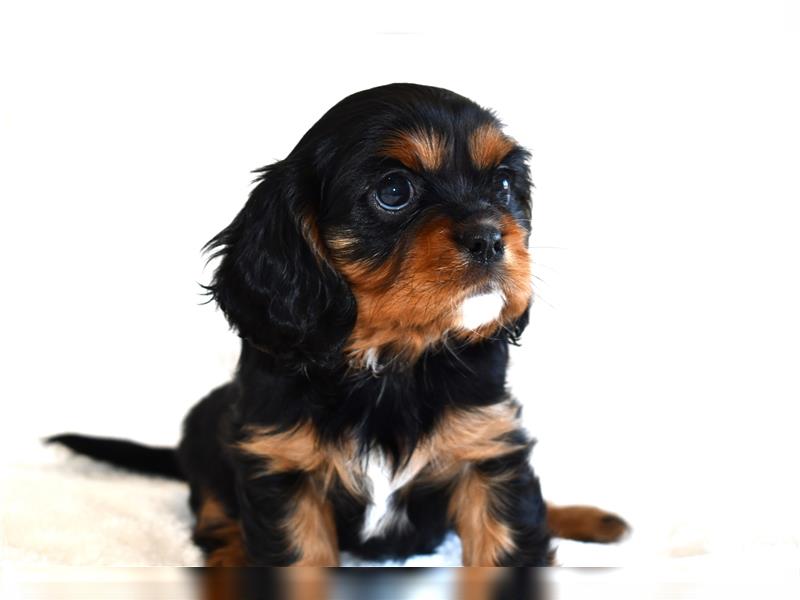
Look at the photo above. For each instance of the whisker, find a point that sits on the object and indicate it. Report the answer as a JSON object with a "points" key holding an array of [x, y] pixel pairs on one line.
{"points": [[539, 297]]}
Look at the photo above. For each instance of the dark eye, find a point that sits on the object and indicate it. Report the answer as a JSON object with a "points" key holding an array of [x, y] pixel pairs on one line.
{"points": [[502, 186], [394, 192]]}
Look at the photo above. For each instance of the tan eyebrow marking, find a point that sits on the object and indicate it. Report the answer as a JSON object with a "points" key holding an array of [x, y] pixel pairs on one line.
{"points": [[488, 145], [417, 149]]}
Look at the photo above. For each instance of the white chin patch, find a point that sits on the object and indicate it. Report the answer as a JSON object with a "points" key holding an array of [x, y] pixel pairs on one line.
{"points": [[482, 309]]}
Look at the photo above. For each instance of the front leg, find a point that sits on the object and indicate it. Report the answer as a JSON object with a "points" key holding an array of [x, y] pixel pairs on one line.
{"points": [[285, 516], [499, 514], [286, 520]]}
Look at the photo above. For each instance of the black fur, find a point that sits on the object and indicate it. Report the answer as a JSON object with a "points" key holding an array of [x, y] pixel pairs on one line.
{"points": [[295, 313], [299, 315], [130, 455]]}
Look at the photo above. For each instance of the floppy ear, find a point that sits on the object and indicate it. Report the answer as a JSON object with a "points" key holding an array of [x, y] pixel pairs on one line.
{"points": [[274, 283]]}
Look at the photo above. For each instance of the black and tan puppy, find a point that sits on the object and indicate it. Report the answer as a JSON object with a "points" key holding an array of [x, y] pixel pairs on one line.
{"points": [[376, 276]]}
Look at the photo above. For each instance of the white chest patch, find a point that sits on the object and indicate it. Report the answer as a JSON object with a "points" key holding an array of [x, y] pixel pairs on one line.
{"points": [[482, 309], [381, 511]]}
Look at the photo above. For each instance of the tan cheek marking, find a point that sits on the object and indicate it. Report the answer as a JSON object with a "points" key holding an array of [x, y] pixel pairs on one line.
{"points": [[408, 302], [418, 150], [312, 529], [488, 146]]}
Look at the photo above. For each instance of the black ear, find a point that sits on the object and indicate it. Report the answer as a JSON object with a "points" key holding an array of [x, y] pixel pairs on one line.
{"points": [[274, 283]]}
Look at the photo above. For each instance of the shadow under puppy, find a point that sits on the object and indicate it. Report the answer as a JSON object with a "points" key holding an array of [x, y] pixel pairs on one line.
{"points": [[376, 276]]}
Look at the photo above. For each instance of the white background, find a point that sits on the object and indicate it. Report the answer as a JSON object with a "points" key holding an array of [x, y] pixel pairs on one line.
{"points": [[660, 371]]}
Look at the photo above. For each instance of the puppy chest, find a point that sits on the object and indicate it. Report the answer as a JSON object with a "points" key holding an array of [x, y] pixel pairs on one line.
{"points": [[381, 484]]}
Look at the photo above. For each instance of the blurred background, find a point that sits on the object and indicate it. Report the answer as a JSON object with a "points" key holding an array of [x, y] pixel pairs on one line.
{"points": [[660, 369]]}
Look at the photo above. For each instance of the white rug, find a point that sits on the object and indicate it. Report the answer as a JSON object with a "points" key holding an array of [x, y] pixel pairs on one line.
{"points": [[59, 509], [62, 509]]}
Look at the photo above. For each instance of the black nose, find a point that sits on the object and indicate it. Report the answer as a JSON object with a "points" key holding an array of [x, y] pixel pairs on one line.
{"points": [[483, 242]]}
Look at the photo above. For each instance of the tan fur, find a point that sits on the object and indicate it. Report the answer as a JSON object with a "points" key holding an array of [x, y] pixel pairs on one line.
{"points": [[469, 436], [214, 523], [447, 456], [412, 301], [406, 303], [477, 583], [418, 150], [585, 524], [311, 528], [488, 145], [299, 449], [463, 437], [341, 241], [310, 232], [218, 584], [308, 583], [484, 539]]}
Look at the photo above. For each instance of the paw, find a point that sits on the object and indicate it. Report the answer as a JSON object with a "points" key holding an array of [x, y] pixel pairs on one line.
{"points": [[586, 524]]}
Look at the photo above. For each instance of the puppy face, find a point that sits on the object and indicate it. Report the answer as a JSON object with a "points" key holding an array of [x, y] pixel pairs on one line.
{"points": [[416, 200], [426, 216]]}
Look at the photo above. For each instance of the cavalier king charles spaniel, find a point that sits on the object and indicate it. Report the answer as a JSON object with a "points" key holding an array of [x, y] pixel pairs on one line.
{"points": [[377, 276]]}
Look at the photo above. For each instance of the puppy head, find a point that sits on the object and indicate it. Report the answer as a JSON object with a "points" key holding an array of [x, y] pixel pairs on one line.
{"points": [[399, 222]]}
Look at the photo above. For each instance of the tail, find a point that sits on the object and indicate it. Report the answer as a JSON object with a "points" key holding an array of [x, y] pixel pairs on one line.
{"points": [[122, 453]]}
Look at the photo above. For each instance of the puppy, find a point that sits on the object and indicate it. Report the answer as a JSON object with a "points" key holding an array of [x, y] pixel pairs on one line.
{"points": [[376, 276]]}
